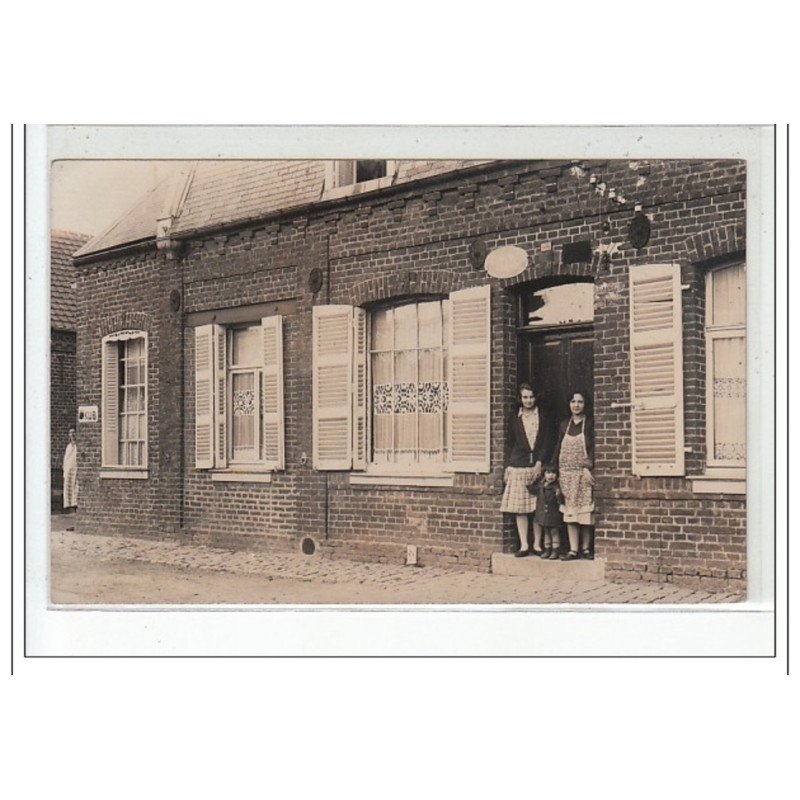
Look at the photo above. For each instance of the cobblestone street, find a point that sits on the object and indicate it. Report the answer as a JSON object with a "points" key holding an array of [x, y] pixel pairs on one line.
{"points": [[107, 570]]}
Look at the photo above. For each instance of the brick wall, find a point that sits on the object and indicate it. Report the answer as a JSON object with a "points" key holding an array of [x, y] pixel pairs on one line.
{"points": [[408, 242], [63, 408]]}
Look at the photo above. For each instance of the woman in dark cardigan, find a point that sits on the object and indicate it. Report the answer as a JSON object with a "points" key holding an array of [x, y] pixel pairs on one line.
{"points": [[574, 455], [530, 442]]}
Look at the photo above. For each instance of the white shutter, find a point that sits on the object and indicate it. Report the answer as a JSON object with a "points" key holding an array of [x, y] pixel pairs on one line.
{"points": [[332, 346], [204, 396], [220, 397], [272, 391], [110, 403], [360, 415], [469, 379], [656, 328]]}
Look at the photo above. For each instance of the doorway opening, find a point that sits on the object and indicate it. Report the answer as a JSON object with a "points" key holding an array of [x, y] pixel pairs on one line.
{"points": [[555, 342]]}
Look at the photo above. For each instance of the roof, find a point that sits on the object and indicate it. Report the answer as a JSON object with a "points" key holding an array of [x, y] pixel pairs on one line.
{"points": [[63, 245], [219, 193]]}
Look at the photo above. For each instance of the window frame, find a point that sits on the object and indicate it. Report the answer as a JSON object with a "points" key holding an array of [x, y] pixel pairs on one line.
{"points": [[334, 188], [711, 333], [433, 469], [118, 469], [257, 371], [214, 370]]}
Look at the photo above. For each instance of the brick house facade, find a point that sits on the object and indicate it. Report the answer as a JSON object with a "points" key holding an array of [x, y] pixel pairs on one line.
{"points": [[63, 407], [303, 262]]}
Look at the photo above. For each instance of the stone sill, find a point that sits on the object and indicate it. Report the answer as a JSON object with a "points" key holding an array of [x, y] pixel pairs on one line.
{"points": [[125, 474], [713, 484], [241, 477], [395, 481]]}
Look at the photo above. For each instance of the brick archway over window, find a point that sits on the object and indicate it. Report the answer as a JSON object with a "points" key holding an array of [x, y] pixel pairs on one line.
{"points": [[407, 282], [719, 242], [125, 321]]}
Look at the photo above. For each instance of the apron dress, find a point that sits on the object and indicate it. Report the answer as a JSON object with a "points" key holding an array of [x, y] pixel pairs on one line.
{"points": [[578, 504]]}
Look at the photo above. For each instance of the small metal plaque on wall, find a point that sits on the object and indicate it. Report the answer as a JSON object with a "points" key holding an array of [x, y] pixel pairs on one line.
{"points": [[87, 414]]}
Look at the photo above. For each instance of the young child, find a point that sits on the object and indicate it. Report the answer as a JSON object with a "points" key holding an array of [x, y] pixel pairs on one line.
{"points": [[548, 499]]}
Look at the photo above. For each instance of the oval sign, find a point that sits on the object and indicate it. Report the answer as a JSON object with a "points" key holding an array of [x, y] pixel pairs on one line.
{"points": [[506, 262]]}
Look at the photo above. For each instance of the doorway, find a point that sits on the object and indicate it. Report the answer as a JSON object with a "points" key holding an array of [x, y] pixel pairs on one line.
{"points": [[557, 362]]}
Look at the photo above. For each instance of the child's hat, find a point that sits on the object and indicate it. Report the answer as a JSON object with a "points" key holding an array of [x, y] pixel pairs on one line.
{"points": [[551, 468]]}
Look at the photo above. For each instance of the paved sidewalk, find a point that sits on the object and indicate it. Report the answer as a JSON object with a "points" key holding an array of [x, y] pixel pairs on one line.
{"points": [[105, 570]]}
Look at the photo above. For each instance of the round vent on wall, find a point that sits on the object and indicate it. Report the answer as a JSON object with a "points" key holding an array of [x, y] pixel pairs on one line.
{"points": [[506, 262], [639, 231], [315, 280]]}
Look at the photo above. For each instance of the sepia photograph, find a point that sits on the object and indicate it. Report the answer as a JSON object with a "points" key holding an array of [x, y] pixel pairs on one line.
{"points": [[400, 381]]}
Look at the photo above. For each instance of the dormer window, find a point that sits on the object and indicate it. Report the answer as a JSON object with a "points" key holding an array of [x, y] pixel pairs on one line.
{"points": [[352, 176]]}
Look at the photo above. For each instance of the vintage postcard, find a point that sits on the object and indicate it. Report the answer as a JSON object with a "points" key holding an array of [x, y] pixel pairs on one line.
{"points": [[371, 370]]}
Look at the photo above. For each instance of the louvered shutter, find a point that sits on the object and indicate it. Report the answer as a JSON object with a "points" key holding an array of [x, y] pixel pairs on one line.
{"points": [[469, 379], [656, 370], [360, 416], [332, 346], [272, 392], [204, 397], [220, 397], [110, 403]]}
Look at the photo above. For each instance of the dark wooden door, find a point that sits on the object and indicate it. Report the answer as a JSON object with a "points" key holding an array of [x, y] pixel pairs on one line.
{"points": [[557, 362]]}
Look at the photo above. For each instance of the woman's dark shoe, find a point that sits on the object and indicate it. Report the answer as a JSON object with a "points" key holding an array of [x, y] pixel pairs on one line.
{"points": [[522, 553], [571, 556], [587, 554], [545, 553], [540, 553], [553, 555]]}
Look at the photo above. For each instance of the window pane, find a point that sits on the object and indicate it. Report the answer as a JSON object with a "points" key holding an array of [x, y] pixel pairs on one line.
{"points": [[430, 324], [729, 392], [382, 322], [728, 296], [346, 172], [405, 327], [246, 347], [369, 170], [244, 419]]}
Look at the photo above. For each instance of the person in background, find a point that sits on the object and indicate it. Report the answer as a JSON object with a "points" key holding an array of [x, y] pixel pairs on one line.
{"points": [[549, 499], [71, 474], [530, 441], [574, 456]]}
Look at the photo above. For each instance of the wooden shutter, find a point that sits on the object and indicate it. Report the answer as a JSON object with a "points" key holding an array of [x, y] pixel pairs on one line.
{"points": [[360, 415], [220, 397], [469, 377], [110, 403], [272, 392], [656, 328], [204, 397], [332, 345]]}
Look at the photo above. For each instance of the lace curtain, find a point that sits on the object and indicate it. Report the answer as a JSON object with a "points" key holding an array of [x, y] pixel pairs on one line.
{"points": [[409, 387]]}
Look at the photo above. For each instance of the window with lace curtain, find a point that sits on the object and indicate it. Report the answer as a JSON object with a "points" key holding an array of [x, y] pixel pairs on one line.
{"points": [[409, 390], [725, 367]]}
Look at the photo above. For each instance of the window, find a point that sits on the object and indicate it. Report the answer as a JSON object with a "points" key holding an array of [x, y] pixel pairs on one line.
{"points": [[725, 367], [405, 388], [350, 176], [124, 388], [408, 371], [239, 396]]}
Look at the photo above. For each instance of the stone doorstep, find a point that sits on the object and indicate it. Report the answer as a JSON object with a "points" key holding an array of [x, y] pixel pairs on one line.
{"points": [[535, 567]]}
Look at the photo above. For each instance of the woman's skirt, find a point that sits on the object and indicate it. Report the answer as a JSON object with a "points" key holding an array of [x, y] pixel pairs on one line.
{"points": [[516, 497]]}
